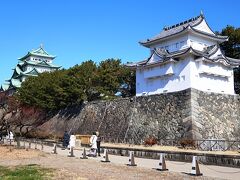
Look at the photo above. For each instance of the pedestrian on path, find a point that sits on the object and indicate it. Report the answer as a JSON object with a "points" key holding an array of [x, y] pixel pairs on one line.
{"points": [[98, 143], [93, 144], [72, 141], [10, 136], [66, 138]]}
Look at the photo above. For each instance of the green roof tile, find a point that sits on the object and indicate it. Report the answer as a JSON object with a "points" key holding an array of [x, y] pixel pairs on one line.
{"points": [[38, 52]]}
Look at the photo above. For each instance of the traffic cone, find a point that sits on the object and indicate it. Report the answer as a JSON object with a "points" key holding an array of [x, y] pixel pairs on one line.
{"points": [[70, 153], [195, 167], [54, 151], [131, 159], [105, 156], [42, 146], [18, 144], [162, 163], [35, 144], [84, 155]]}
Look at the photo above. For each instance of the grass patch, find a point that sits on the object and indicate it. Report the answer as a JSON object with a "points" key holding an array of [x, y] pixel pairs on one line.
{"points": [[28, 172]]}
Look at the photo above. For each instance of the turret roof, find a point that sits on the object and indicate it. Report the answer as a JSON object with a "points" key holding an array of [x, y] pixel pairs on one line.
{"points": [[38, 52], [4, 86], [188, 25], [41, 63], [211, 54]]}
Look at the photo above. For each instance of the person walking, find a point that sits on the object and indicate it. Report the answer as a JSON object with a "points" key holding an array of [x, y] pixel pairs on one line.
{"points": [[98, 143], [66, 138], [93, 144], [72, 141], [10, 136]]}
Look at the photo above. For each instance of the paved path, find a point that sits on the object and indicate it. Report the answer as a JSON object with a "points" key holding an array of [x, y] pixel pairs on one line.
{"points": [[207, 170]]}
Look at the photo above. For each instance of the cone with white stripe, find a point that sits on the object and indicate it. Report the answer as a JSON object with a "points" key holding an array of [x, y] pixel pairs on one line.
{"points": [[195, 167], [54, 151], [18, 143], [162, 163], [84, 154], [42, 146], [132, 159], [35, 144], [70, 153], [105, 156]]}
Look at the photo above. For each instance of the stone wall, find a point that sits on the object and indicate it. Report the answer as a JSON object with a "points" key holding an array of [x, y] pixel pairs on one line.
{"points": [[161, 116], [215, 116], [189, 113]]}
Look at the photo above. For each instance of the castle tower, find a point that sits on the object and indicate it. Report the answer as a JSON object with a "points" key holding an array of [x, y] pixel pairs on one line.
{"points": [[34, 62], [185, 55], [190, 81]]}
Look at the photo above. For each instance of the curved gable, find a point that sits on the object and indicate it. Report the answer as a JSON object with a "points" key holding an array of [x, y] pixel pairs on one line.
{"points": [[203, 26]]}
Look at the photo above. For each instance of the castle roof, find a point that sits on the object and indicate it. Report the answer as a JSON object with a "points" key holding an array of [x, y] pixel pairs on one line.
{"points": [[38, 52], [190, 25], [212, 54], [4, 86], [41, 63]]}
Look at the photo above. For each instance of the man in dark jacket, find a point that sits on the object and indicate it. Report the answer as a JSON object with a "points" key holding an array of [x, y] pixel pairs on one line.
{"points": [[98, 143], [65, 139]]}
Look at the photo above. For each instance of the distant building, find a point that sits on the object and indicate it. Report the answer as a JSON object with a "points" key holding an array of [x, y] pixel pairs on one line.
{"points": [[33, 63], [182, 56]]}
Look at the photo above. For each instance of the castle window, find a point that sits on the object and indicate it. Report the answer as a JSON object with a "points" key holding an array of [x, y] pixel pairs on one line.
{"points": [[177, 45], [182, 43]]}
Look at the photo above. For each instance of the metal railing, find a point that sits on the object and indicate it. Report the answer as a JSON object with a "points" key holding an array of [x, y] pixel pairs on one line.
{"points": [[200, 144]]}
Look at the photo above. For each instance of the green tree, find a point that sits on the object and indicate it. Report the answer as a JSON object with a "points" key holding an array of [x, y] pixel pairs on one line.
{"points": [[232, 46], [86, 76], [50, 91], [84, 82], [115, 77], [231, 49]]}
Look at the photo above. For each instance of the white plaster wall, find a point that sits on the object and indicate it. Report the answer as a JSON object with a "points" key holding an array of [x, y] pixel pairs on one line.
{"points": [[186, 74], [199, 43], [214, 82], [180, 80], [186, 40], [43, 69], [39, 69], [173, 44], [39, 59]]}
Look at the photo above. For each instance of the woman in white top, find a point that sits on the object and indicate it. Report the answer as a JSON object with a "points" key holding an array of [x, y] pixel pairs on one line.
{"points": [[72, 141], [93, 143], [11, 135]]}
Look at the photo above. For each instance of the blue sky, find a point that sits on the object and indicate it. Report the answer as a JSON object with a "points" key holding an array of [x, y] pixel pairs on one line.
{"points": [[79, 30]]}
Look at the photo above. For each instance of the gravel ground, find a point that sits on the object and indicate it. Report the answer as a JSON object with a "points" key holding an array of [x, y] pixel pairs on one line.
{"points": [[76, 168]]}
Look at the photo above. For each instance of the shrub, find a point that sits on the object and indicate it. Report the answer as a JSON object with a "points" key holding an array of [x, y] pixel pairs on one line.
{"points": [[150, 141], [187, 143]]}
